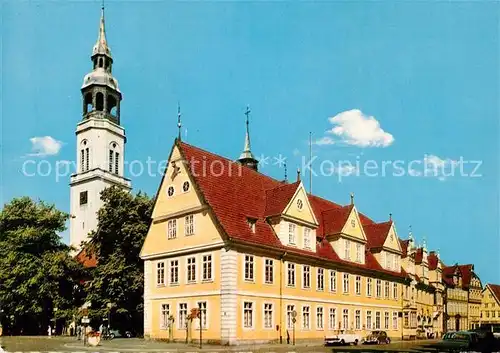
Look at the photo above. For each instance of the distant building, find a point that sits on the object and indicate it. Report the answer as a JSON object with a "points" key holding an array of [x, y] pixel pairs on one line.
{"points": [[490, 306]]}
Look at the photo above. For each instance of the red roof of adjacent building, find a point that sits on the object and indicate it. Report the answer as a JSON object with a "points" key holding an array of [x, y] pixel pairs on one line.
{"points": [[87, 259], [376, 233], [433, 260], [495, 289], [404, 247], [419, 256], [466, 272], [238, 193]]}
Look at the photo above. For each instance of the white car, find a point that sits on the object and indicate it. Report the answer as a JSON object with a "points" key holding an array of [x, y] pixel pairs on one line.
{"points": [[343, 338]]}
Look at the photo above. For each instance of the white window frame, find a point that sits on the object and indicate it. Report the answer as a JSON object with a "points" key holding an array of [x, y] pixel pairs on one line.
{"points": [[179, 316], [250, 259], [252, 316], [378, 325], [345, 284], [369, 287], [202, 267], [395, 320], [358, 324], [333, 280], [264, 311], [394, 290], [387, 321], [164, 320], [320, 279], [358, 252], [369, 320], [330, 312], [347, 249], [170, 269], [292, 228], [378, 288], [266, 266], [162, 268], [387, 289], [320, 322], [194, 270], [307, 238], [357, 285], [291, 266], [172, 229], [306, 270], [344, 312], [189, 228], [288, 317], [206, 316], [304, 312]]}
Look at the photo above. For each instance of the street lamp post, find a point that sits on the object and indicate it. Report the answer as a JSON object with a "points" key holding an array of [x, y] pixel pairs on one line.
{"points": [[200, 312], [294, 320]]}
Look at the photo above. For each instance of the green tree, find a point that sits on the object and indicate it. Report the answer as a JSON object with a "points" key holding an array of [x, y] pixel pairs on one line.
{"points": [[118, 279], [39, 280]]}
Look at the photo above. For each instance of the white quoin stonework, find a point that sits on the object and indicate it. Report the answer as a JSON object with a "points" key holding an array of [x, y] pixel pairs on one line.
{"points": [[147, 300], [229, 280]]}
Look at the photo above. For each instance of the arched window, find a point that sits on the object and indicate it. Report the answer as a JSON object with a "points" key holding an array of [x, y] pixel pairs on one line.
{"points": [[99, 101], [87, 103], [84, 156], [100, 62], [111, 106], [114, 158]]}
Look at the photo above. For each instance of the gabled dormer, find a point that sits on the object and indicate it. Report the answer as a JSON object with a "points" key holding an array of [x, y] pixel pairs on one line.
{"points": [[289, 212], [344, 231], [383, 242]]}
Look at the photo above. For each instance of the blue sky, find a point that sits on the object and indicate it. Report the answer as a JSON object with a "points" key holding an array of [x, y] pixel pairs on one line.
{"points": [[404, 80]]}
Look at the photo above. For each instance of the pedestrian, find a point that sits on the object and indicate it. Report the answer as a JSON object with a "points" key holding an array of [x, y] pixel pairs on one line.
{"points": [[49, 331]]}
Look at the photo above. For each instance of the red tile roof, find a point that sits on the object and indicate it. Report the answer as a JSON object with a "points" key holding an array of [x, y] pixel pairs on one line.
{"points": [[466, 272], [419, 255], [404, 247], [376, 233], [433, 260], [334, 220], [495, 289], [86, 259], [279, 197], [237, 193]]}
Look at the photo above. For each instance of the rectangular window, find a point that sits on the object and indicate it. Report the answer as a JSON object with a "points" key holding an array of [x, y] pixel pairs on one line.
{"points": [[319, 318], [82, 160], [117, 158], [202, 306], [332, 319], [368, 287], [395, 263], [345, 319], [189, 224], [386, 289], [291, 275], [406, 320], [347, 249], [377, 320], [358, 285], [84, 197], [160, 274], [291, 233], [249, 268], [307, 238], [191, 269], [345, 283], [268, 315], [183, 309], [386, 320], [306, 276], [174, 272], [358, 252], [394, 320], [368, 320], [87, 159], [248, 315], [395, 290], [172, 229], [388, 261], [305, 318], [321, 279], [379, 288], [357, 319], [207, 267], [333, 281], [165, 313], [110, 164], [289, 316], [269, 271]]}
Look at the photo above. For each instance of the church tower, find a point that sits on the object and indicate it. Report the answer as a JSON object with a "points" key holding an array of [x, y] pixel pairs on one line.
{"points": [[246, 157], [100, 142]]}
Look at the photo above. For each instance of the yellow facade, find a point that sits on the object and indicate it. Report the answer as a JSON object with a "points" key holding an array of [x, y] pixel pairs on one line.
{"points": [[249, 293], [490, 307]]}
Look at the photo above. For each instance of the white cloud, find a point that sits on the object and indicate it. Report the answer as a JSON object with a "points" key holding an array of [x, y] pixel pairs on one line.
{"points": [[326, 140], [346, 170], [355, 128], [434, 166], [44, 146]]}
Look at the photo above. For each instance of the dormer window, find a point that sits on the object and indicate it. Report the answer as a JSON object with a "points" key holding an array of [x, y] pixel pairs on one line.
{"points": [[251, 224], [307, 238], [347, 249], [291, 233]]}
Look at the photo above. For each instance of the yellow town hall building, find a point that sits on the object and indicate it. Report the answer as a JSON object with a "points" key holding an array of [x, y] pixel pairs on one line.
{"points": [[252, 253]]}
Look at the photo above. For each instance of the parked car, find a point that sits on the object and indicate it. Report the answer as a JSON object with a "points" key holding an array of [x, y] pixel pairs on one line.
{"points": [[118, 334], [377, 337], [342, 339], [458, 341]]}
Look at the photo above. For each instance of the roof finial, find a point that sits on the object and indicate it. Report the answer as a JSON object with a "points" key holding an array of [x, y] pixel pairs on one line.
{"points": [[390, 216], [179, 125], [286, 176], [298, 174], [352, 198], [424, 244], [101, 46], [410, 234], [246, 157]]}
